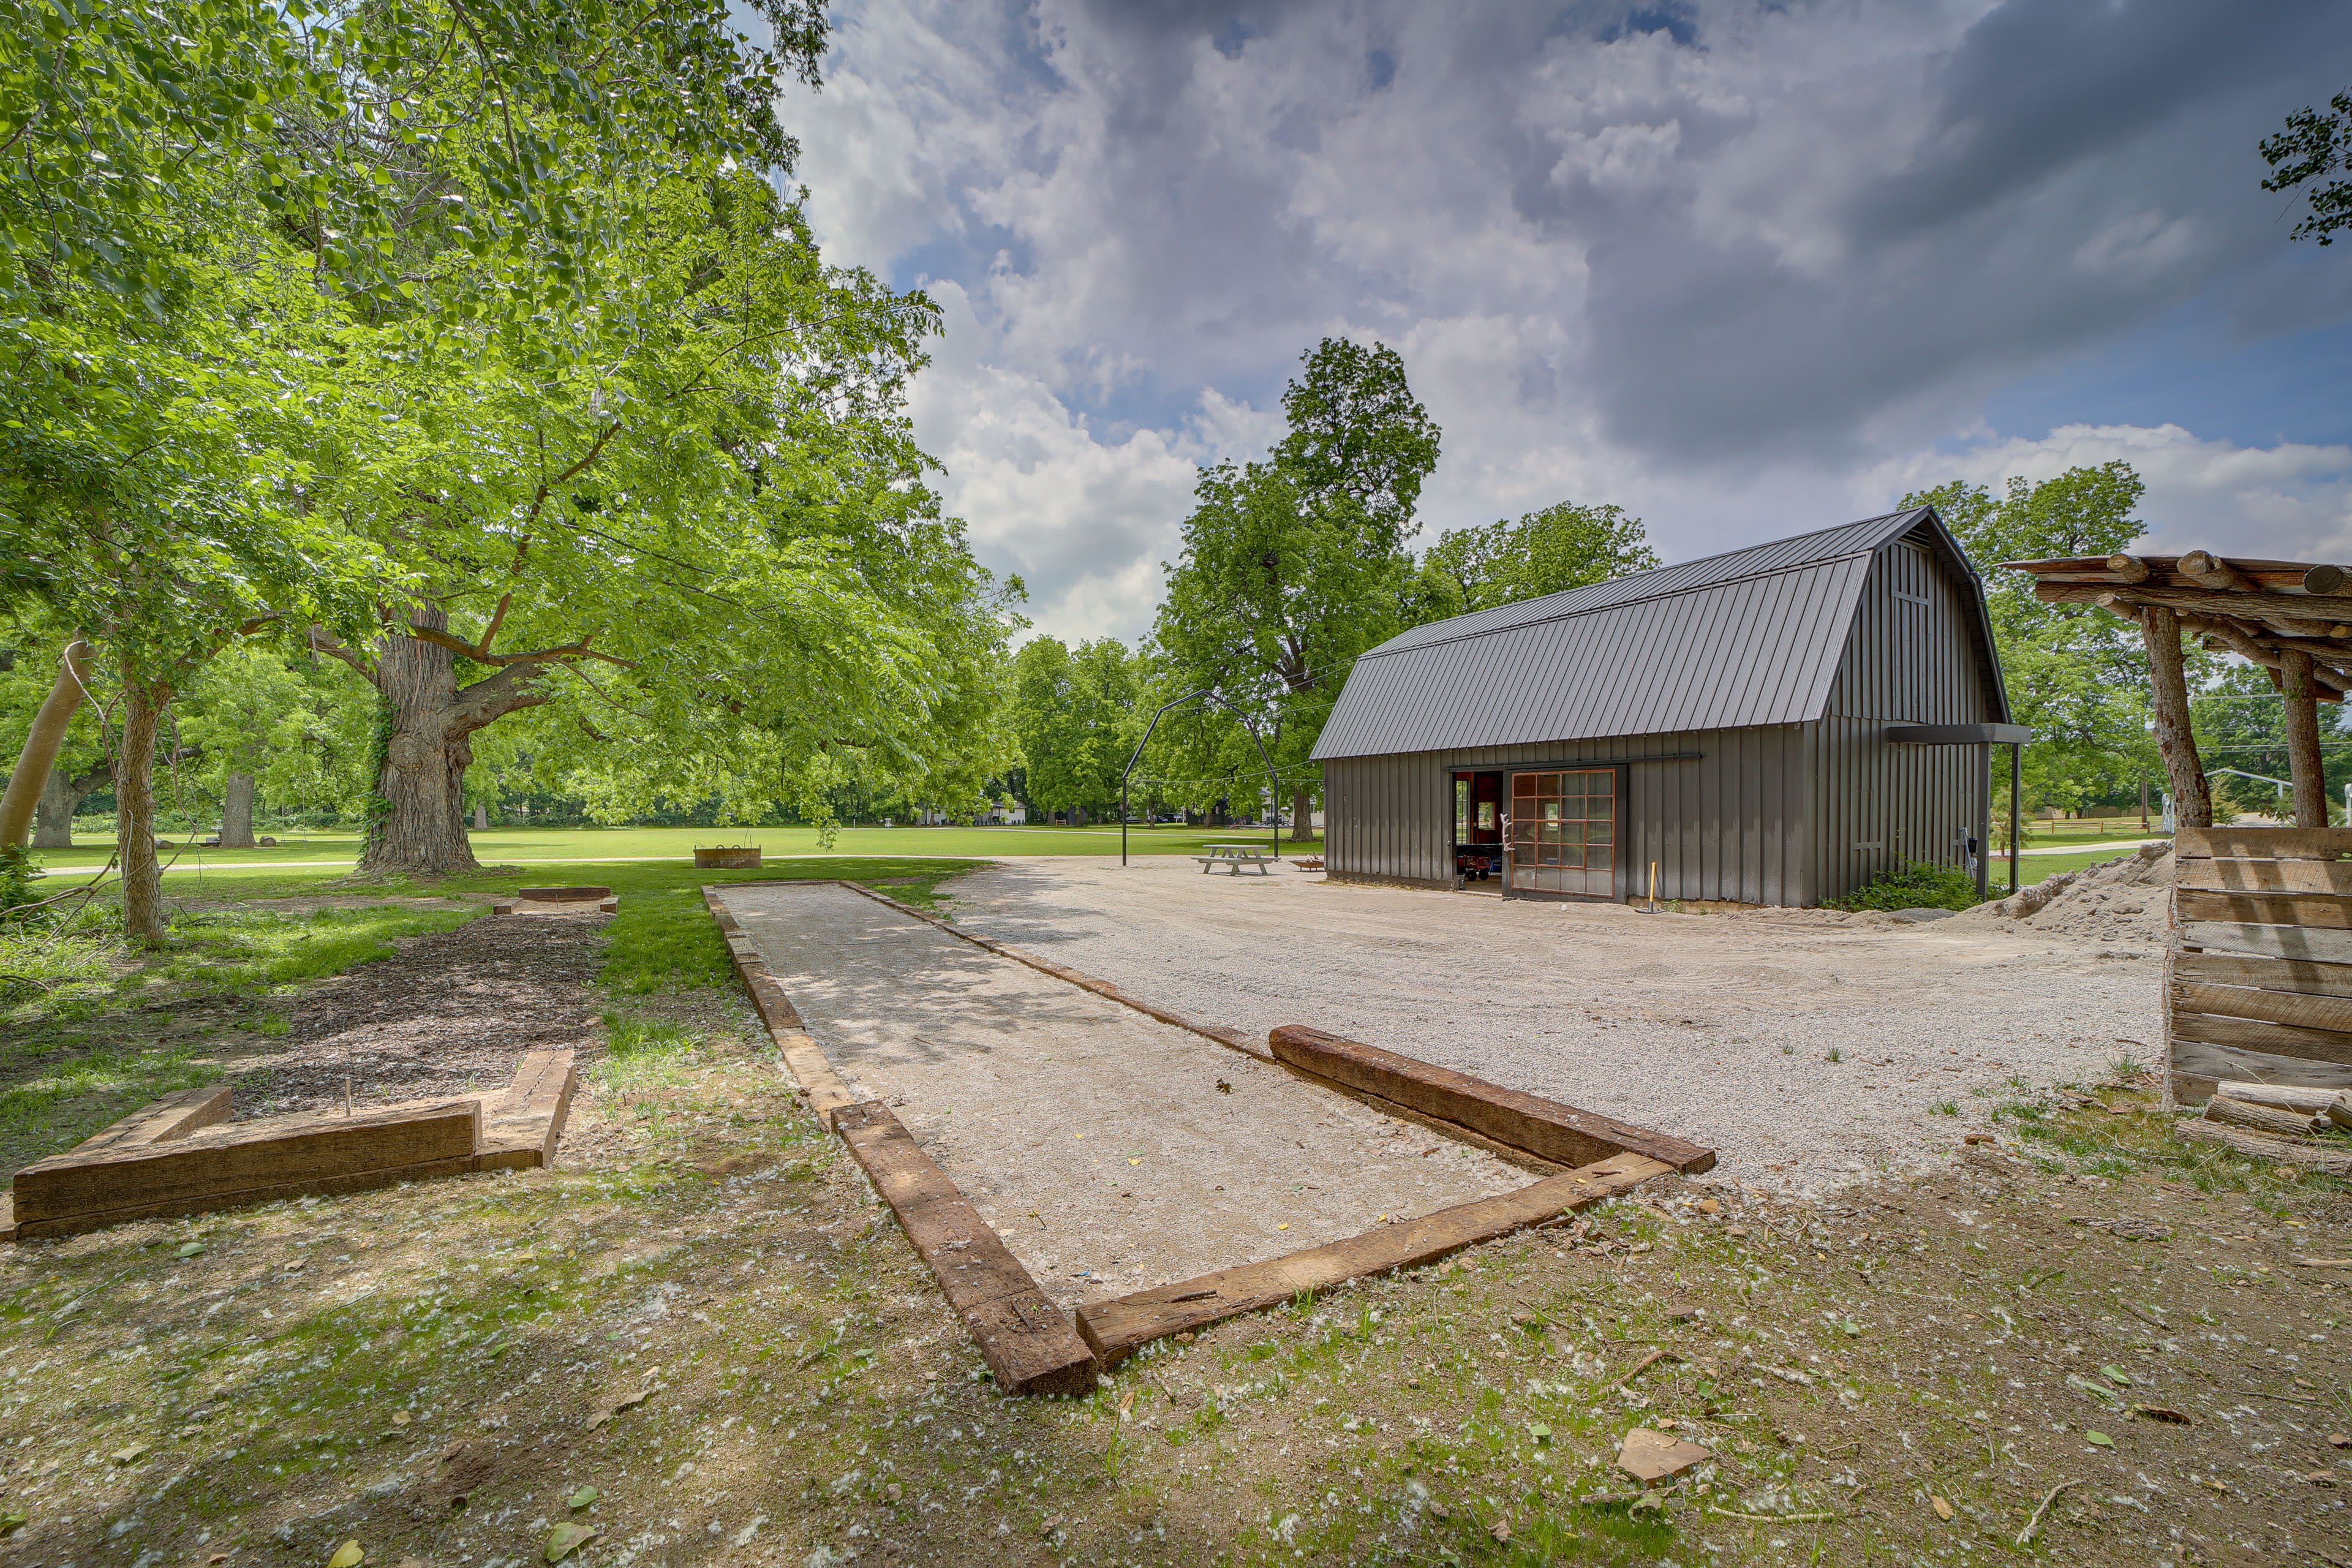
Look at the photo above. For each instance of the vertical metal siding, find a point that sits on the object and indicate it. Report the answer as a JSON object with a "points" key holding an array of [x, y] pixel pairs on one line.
{"points": [[1729, 824], [1905, 662]]}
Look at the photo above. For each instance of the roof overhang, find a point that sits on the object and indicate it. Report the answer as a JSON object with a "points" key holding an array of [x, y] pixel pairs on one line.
{"points": [[1958, 734]]}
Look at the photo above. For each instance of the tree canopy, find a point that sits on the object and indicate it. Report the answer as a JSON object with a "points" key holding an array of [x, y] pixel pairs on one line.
{"points": [[2076, 676], [1292, 566], [2313, 146]]}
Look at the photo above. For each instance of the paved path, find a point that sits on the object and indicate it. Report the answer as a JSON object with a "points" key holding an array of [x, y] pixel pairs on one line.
{"points": [[1096, 1140]]}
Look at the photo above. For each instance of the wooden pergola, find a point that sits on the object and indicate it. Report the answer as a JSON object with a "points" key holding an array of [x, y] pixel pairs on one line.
{"points": [[2292, 617]]}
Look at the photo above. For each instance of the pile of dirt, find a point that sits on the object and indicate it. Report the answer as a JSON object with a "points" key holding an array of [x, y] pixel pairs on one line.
{"points": [[2123, 899]]}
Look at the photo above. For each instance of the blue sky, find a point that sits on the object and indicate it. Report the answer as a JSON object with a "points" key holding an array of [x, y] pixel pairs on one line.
{"points": [[1744, 269]]}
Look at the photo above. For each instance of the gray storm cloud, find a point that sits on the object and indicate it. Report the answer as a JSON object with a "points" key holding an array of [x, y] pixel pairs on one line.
{"points": [[1732, 265]]}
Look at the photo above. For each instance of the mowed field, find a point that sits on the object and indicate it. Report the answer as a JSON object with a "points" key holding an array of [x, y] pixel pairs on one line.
{"points": [[556, 845]]}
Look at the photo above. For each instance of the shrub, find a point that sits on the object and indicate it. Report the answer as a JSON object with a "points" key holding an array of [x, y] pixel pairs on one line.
{"points": [[1917, 886]]}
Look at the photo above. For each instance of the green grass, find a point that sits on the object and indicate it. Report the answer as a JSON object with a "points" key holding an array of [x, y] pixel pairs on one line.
{"points": [[526, 846], [89, 1026]]}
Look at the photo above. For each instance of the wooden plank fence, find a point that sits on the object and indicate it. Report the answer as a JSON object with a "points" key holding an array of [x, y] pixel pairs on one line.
{"points": [[2259, 973]]}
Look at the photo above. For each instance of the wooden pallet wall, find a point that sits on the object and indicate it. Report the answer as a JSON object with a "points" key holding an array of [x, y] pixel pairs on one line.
{"points": [[2259, 975]]}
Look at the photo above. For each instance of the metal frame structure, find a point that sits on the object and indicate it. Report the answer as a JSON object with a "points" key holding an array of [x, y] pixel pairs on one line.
{"points": [[1273, 784]]}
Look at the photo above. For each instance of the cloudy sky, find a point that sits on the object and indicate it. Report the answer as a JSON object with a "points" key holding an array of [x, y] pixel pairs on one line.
{"points": [[1743, 266]]}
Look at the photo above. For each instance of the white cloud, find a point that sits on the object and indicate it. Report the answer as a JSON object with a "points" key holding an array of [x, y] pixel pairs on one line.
{"points": [[2287, 502], [1729, 265]]}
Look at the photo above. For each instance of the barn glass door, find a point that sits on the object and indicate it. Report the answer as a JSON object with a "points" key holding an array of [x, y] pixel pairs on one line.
{"points": [[1564, 833]]}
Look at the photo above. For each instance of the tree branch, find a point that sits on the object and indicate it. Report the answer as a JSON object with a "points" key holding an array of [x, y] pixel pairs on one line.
{"points": [[322, 643], [580, 649]]}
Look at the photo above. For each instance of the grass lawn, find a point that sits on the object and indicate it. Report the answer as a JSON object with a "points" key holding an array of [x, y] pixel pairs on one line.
{"points": [[527, 845]]}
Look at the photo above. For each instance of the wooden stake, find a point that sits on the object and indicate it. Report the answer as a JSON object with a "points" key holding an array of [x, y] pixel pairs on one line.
{"points": [[2302, 759], [2192, 803]]}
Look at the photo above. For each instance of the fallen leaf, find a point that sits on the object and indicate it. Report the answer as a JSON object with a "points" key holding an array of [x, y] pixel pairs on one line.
{"points": [[1708, 1205], [1500, 1530], [1540, 1432], [1942, 1508], [1284, 1225], [1649, 1456], [566, 1539], [2159, 1413], [1734, 1230], [11, 1521], [2117, 1376], [2339, 1439], [1976, 1138], [192, 1248], [2321, 1477], [2098, 1439], [400, 1418], [130, 1456], [584, 1497], [1439, 1511], [348, 1555], [626, 1401]]}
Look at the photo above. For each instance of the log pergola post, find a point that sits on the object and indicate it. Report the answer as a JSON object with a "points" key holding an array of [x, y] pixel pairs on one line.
{"points": [[2304, 765], [2192, 803]]}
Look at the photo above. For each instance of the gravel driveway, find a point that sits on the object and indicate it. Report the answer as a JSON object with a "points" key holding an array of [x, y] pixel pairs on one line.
{"points": [[1718, 1028]]}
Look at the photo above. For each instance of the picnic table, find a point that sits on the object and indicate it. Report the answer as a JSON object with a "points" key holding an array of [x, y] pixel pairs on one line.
{"points": [[1234, 857]]}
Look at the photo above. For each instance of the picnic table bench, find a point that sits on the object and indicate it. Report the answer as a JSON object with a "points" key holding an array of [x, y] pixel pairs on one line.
{"points": [[1234, 857]]}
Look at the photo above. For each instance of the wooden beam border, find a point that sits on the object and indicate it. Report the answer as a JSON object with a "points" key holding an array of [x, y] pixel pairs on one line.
{"points": [[183, 1156], [1115, 1329]]}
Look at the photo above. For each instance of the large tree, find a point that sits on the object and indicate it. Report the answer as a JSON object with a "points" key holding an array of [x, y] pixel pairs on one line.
{"points": [[1075, 720], [707, 541], [1566, 545], [1292, 566], [425, 164], [2076, 674]]}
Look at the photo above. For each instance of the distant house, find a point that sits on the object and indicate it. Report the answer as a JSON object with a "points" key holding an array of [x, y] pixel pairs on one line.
{"points": [[1770, 726]]}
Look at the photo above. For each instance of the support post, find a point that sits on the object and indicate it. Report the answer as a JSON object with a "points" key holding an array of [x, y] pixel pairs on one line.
{"points": [[2192, 801], [2303, 760], [2016, 795], [1984, 828]]}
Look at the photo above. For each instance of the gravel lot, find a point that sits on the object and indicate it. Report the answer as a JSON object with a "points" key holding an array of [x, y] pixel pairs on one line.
{"points": [[1718, 1028]]}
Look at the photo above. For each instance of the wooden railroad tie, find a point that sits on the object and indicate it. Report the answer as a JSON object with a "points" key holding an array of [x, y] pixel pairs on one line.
{"points": [[183, 1156]]}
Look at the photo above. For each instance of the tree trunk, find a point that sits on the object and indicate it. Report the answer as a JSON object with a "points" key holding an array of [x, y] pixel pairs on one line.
{"points": [[481, 816], [2192, 803], [236, 812], [53, 818], [1302, 816], [143, 702], [1078, 817], [42, 742], [421, 831], [2304, 765]]}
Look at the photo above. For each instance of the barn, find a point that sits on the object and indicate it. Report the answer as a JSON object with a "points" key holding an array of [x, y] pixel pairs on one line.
{"points": [[1770, 726]]}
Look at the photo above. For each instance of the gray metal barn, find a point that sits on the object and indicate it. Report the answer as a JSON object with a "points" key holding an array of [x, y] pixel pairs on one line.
{"points": [[1770, 726]]}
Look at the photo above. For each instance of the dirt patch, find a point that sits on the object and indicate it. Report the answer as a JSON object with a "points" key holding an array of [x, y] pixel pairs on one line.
{"points": [[446, 1015], [2128, 899], [1111, 1151]]}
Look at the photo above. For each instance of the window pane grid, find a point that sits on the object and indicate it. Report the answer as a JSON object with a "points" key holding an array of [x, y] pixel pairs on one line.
{"points": [[1564, 831]]}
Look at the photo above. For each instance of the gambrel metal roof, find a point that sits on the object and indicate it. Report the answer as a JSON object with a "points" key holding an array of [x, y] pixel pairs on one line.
{"points": [[1752, 636]]}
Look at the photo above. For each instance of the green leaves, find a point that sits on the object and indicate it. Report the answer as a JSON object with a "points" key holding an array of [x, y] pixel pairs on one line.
{"points": [[2312, 146]]}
